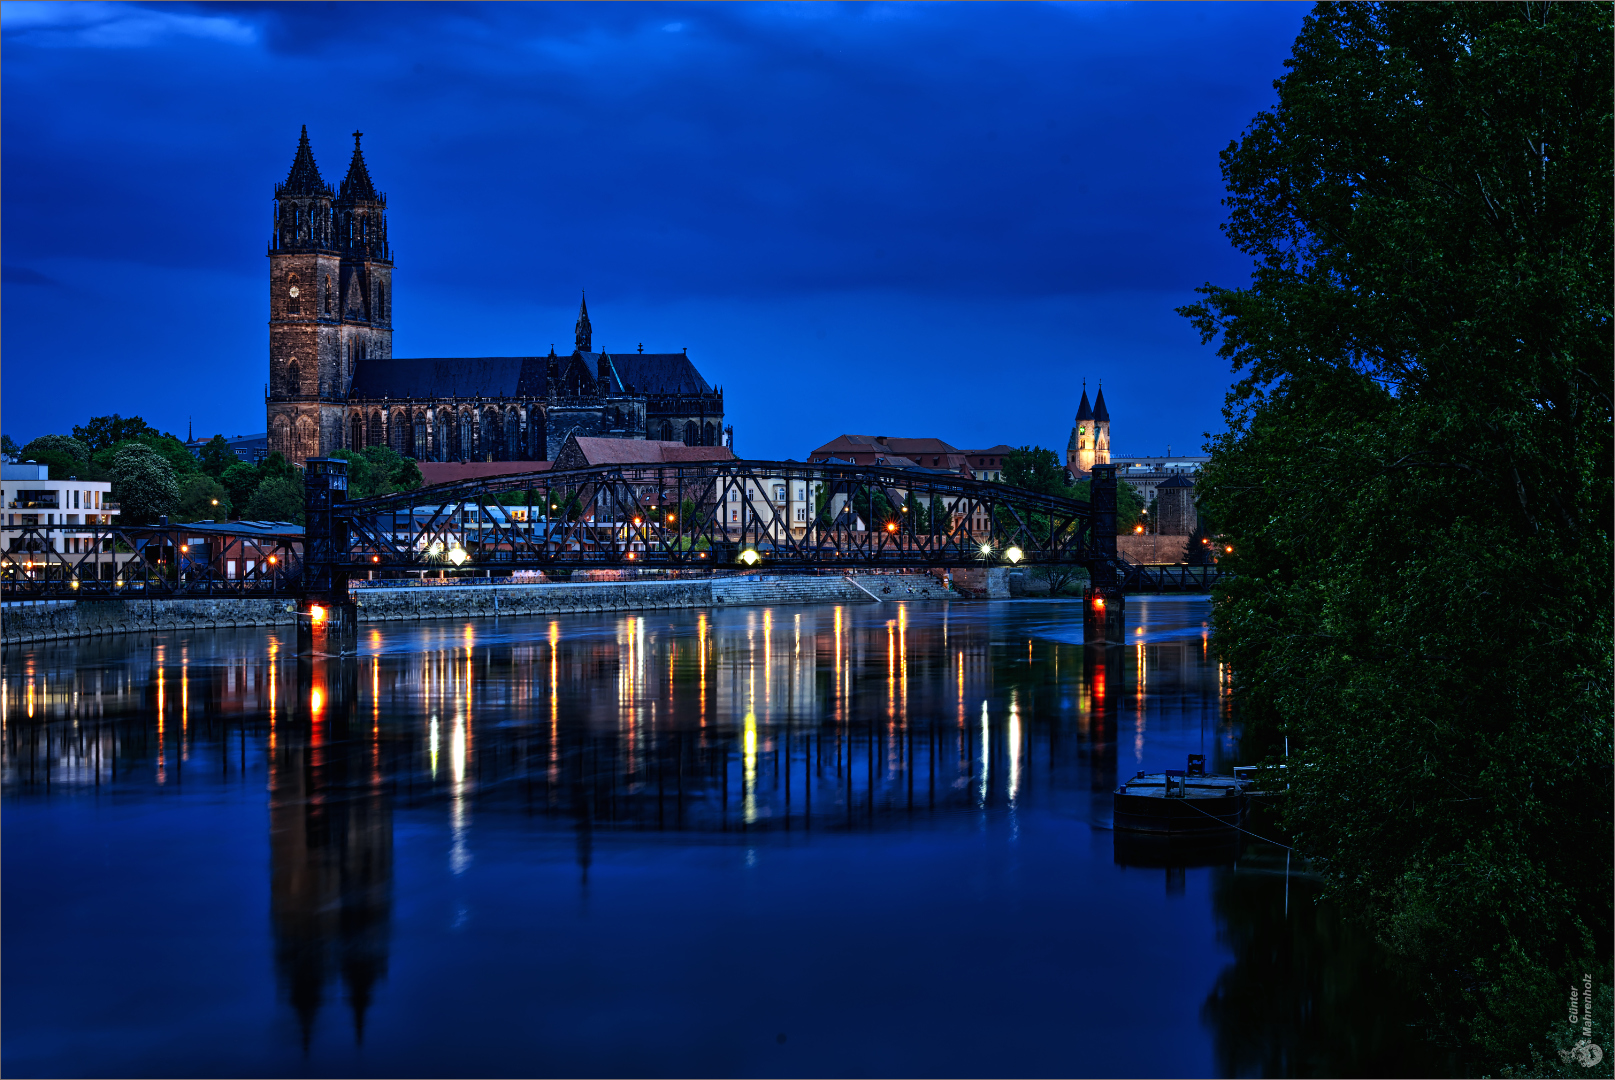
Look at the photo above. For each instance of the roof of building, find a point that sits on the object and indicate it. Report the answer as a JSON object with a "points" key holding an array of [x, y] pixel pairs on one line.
{"points": [[241, 528], [517, 376], [1084, 410], [658, 373], [449, 377], [448, 472], [1000, 450], [1100, 413], [1177, 480], [598, 451]]}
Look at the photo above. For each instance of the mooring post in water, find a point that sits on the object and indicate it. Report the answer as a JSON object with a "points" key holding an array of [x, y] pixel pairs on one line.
{"points": [[327, 620], [1103, 603]]}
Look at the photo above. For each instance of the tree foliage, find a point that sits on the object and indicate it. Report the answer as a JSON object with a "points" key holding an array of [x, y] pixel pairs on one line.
{"points": [[1416, 482], [105, 431], [217, 456], [277, 498], [143, 485], [62, 444], [197, 493], [379, 470]]}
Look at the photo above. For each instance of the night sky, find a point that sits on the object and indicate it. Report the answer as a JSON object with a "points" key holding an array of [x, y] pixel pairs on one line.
{"points": [[899, 220]]}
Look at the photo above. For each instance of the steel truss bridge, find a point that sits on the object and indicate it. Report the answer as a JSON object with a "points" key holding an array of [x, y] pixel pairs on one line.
{"points": [[685, 517]]}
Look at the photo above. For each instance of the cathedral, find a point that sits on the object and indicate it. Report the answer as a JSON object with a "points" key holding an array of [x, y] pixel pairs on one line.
{"points": [[334, 383], [1090, 438]]}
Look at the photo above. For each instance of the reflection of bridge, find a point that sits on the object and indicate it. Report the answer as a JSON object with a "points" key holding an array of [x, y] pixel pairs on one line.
{"points": [[675, 517]]}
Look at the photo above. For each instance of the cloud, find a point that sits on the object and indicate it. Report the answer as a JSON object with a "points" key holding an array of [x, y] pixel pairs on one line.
{"points": [[113, 26], [22, 275]]}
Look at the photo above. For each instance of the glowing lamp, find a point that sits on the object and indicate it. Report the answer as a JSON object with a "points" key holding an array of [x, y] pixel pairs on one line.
{"points": [[630, 555], [1229, 549], [750, 557], [185, 547], [1014, 554], [1138, 528], [375, 558], [670, 519], [75, 583], [317, 613], [986, 549], [636, 521], [1099, 603], [891, 526], [457, 555], [271, 560]]}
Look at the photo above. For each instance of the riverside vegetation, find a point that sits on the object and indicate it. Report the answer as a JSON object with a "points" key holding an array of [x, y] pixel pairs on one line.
{"points": [[1416, 482]]}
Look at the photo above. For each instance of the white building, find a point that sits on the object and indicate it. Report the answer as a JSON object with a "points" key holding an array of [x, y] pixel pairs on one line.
{"points": [[66, 510], [1145, 474]]}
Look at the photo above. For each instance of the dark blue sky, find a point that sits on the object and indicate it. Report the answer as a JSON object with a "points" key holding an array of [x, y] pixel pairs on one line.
{"points": [[903, 220]]}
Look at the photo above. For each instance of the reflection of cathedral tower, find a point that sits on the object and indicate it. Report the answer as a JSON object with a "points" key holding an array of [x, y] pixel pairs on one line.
{"points": [[1090, 437], [330, 850]]}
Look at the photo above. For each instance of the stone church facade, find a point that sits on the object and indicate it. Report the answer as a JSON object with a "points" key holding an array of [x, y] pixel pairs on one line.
{"points": [[334, 383], [1089, 444]]}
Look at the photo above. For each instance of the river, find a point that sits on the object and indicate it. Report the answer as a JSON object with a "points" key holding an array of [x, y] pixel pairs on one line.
{"points": [[833, 841]]}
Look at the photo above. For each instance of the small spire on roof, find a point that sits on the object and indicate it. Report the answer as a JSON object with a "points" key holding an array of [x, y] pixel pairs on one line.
{"points": [[585, 332]]}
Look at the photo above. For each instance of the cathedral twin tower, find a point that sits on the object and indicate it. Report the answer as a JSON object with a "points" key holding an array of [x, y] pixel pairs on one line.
{"points": [[334, 383]]}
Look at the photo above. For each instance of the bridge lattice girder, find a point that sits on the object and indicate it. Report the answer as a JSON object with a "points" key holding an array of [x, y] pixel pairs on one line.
{"points": [[698, 515]]}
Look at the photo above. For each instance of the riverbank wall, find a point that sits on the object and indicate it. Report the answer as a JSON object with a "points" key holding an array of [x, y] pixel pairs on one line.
{"points": [[33, 621]]}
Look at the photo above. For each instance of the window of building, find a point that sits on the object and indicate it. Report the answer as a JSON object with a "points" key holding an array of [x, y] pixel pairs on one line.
{"points": [[779, 492], [801, 513]]}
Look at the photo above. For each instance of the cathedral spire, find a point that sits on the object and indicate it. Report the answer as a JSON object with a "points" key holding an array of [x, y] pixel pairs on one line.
{"points": [[1100, 413], [356, 186], [304, 176], [1084, 410], [585, 332]]}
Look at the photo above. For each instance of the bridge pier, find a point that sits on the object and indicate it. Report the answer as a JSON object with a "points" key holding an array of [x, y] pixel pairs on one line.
{"points": [[327, 619], [1103, 602]]}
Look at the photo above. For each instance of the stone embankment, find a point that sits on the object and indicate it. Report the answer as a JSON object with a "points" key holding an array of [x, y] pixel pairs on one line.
{"points": [[26, 622]]}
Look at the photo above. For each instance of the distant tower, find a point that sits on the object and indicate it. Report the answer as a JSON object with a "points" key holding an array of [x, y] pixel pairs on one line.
{"points": [[1101, 429], [585, 333], [1079, 450], [330, 300]]}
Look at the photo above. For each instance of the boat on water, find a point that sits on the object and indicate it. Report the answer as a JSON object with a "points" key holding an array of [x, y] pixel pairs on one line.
{"points": [[1180, 801]]}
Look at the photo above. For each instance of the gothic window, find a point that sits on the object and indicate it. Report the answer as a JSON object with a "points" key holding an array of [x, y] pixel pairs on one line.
{"points": [[294, 379], [444, 428], [281, 435], [468, 435], [328, 294], [692, 433], [356, 433], [308, 439], [381, 302], [513, 436], [294, 302], [667, 431], [374, 435], [417, 447], [712, 436]]}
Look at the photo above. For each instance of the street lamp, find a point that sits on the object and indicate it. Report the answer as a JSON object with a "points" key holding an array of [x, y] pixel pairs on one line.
{"points": [[1014, 554]]}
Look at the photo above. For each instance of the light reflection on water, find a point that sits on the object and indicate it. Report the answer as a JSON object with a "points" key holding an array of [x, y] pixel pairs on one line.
{"points": [[917, 795]]}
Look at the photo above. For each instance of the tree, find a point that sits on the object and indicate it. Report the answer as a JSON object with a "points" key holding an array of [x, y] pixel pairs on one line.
{"points": [[217, 457], [143, 485], [61, 444], [1416, 481], [378, 470], [105, 431], [197, 495], [8, 448], [1036, 469], [239, 482], [277, 499]]}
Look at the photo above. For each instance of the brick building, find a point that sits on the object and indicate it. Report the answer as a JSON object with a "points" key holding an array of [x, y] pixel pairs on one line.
{"points": [[335, 384]]}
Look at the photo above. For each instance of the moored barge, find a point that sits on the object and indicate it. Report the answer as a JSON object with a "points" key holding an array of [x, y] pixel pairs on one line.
{"points": [[1180, 801]]}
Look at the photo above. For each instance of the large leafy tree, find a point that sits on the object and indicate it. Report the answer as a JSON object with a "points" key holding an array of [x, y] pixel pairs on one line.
{"points": [[104, 431], [143, 485], [1416, 482]]}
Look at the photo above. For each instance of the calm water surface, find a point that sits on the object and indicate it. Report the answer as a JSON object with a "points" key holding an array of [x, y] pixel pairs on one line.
{"points": [[868, 840]]}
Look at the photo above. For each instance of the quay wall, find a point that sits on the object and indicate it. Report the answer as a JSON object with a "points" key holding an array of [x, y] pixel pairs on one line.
{"points": [[31, 621]]}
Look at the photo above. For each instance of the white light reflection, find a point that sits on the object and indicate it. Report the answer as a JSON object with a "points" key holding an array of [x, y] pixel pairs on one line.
{"points": [[981, 785], [749, 746], [1014, 744]]}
